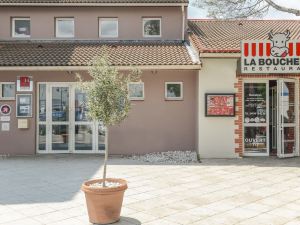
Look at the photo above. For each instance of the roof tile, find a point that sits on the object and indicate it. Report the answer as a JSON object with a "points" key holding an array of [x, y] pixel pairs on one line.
{"points": [[225, 36], [79, 53], [72, 2]]}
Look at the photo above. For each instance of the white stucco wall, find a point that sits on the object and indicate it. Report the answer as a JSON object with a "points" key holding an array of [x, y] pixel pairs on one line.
{"points": [[216, 134]]}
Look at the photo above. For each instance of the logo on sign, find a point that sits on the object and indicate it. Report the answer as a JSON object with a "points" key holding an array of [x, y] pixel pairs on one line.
{"points": [[279, 41], [5, 109], [278, 54]]}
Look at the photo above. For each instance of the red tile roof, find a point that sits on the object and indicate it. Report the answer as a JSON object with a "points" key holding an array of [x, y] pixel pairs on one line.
{"points": [[79, 53], [83, 2], [225, 36]]}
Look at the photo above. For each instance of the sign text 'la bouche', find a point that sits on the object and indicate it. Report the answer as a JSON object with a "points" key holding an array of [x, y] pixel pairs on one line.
{"points": [[279, 54]]}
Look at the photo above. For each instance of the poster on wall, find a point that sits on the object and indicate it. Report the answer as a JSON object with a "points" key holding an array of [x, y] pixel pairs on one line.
{"points": [[24, 105], [255, 103], [24, 84], [220, 105]]}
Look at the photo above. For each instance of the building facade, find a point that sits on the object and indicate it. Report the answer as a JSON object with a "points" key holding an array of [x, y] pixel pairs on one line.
{"points": [[266, 88], [45, 44], [195, 93]]}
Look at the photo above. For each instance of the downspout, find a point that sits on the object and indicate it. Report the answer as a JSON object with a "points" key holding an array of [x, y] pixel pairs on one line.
{"points": [[183, 22]]}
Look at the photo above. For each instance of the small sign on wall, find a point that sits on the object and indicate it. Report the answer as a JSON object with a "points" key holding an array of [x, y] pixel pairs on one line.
{"points": [[4, 118], [24, 105], [24, 83], [5, 110], [22, 123], [220, 105], [5, 127]]}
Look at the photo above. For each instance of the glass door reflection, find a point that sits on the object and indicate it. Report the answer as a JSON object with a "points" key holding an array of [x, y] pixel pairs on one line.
{"points": [[287, 118], [84, 128], [63, 123], [60, 118]]}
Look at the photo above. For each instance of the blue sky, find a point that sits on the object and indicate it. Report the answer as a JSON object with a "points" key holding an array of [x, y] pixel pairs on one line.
{"points": [[196, 13]]}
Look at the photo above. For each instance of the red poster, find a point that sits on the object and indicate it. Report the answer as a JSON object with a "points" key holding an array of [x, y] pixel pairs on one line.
{"points": [[220, 104], [24, 82]]}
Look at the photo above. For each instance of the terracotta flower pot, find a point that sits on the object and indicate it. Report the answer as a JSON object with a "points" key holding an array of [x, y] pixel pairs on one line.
{"points": [[104, 204]]}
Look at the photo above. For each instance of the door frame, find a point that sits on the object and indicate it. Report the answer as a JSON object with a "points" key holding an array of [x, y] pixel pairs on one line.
{"points": [[71, 123], [280, 137]]}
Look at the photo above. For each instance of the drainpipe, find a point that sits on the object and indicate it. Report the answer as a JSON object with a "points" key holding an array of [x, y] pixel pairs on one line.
{"points": [[183, 21]]}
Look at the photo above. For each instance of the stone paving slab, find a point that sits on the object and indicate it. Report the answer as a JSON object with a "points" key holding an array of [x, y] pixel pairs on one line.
{"points": [[45, 190]]}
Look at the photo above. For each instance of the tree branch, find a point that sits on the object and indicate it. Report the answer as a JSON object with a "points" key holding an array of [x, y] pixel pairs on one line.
{"points": [[283, 9]]}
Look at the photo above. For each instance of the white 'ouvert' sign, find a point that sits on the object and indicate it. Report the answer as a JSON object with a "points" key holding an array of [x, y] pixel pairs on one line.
{"points": [[279, 54]]}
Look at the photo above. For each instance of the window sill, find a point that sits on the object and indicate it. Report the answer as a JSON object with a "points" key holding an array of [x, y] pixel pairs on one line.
{"points": [[173, 99], [7, 99]]}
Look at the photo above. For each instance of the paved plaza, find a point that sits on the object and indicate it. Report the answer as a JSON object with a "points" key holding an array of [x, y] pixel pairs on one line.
{"points": [[259, 191]]}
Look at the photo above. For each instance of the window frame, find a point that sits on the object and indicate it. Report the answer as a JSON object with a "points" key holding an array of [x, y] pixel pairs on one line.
{"points": [[108, 19], [174, 98], [57, 19], [7, 98], [136, 98], [152, 18], [13, 26]]}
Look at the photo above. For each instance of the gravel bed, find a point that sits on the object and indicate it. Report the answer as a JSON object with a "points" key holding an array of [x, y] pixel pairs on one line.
{"points": [[170, 157], [107, 185]]}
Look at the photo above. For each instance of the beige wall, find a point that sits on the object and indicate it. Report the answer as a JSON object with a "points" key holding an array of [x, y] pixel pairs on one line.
{"points": [[86, 21], [158, 125], [216, 134], [153, 124]]}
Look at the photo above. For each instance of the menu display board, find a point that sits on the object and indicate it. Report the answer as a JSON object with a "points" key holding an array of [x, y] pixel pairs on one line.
{"points": [[220, 105], [255, 99], [24, 105]]}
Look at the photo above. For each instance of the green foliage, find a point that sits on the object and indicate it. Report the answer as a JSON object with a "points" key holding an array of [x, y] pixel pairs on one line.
{"points": [[107, 93]]}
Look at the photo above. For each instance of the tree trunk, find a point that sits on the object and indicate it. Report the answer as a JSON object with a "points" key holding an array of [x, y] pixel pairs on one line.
{"points": [[105, 157]]}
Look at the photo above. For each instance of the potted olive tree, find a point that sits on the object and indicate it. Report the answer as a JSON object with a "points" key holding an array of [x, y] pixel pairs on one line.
{"points": [[109, 103]]}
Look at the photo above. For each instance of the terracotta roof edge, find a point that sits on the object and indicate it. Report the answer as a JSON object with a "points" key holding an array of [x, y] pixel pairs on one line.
{"points": [[233, 20]]}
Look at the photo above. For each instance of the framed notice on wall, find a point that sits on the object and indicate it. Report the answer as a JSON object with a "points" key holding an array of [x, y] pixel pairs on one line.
{"points": [[24, 84], [220, 105], [24, 105]]}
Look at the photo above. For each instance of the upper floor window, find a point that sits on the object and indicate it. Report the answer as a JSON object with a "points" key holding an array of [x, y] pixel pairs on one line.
{"points": [[108, 27], [152, 27], [21, 27], [65, 27]]}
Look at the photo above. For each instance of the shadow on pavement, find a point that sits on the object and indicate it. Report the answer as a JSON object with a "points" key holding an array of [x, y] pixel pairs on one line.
{"points": [[58, 178]]}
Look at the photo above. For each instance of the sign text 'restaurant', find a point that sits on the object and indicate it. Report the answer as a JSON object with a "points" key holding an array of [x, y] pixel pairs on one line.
{"points": [[261, 57]]}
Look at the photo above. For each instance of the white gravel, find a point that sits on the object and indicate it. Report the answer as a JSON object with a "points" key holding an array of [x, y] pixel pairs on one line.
{"points": [[170, 157], [107, 185]]}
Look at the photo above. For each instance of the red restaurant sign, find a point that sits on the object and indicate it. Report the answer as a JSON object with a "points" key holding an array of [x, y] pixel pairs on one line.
{"points": [[279, 54]]}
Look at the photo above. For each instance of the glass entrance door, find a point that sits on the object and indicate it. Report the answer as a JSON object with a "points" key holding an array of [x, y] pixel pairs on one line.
{"points": [[256, 117], [287, 129], [63, 124], [59, 120]]}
